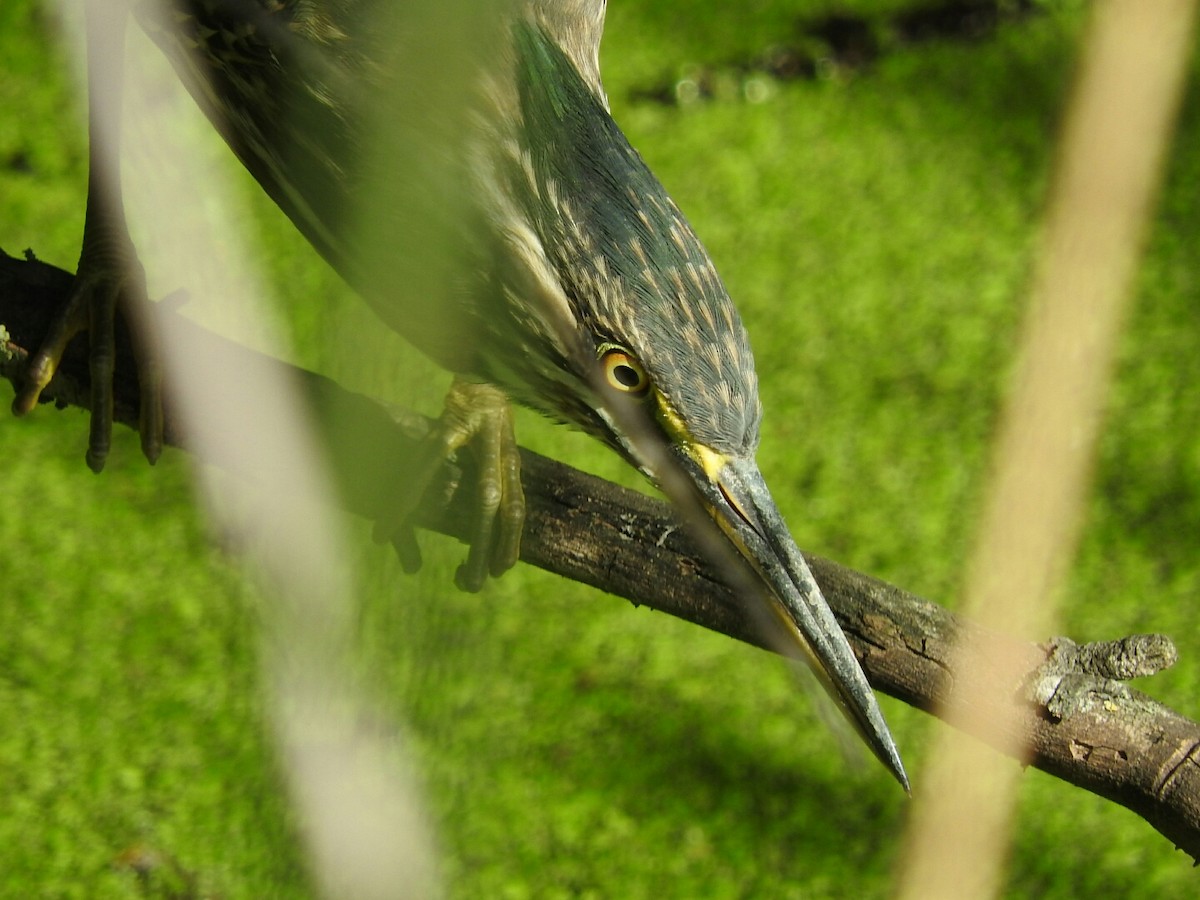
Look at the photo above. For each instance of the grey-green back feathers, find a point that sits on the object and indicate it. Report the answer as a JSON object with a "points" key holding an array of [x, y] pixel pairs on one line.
{"points": [[568, 241]]}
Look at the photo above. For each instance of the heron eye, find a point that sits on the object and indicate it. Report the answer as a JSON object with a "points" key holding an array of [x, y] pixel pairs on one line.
{"points": [[625, 373]]}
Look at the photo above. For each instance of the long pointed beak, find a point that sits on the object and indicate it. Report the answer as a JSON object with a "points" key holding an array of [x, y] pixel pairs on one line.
{"points": [[738, 501]]}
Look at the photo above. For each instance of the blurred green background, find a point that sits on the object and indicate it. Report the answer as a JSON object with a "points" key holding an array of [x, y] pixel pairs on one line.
{"points": [[875, 225]]}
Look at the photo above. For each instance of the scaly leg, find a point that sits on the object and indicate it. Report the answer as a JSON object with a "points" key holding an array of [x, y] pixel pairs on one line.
{"points": [[109, 274], [476, 414]]}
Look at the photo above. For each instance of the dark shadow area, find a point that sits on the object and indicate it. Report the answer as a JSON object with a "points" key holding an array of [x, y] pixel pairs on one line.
{"points": [[834, 45]]}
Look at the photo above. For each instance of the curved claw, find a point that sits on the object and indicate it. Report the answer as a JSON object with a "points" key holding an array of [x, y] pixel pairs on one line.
{"points": [[102, 362], [148, 355], [100, 287], [496, 540], [477, 414], [41, 366]]}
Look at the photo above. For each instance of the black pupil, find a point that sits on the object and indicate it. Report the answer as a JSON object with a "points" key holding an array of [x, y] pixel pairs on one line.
{"points": [[627, 375]]}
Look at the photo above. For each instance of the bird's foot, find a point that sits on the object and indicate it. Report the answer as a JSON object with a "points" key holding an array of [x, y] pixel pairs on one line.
{"points": [[107, 280], [478, 415]]}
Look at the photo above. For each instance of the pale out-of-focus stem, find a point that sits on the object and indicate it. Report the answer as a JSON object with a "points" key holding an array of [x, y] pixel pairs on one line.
{"points": [[357, 804], [1110, 158]]}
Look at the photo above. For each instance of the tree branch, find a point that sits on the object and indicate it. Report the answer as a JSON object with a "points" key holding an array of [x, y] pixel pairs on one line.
{"points": [[1078, 721]]}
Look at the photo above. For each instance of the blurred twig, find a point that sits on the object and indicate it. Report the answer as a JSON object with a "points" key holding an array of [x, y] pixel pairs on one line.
{"points": [[1073, 720]]}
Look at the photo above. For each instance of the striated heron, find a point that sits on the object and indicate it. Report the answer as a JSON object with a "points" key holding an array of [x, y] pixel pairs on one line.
{"points": [[583, 291]]}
